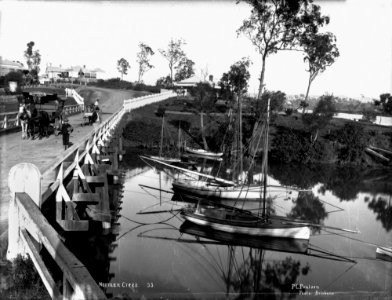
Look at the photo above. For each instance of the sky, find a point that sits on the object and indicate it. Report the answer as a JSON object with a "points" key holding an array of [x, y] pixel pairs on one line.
{"points": [[98, 33]]}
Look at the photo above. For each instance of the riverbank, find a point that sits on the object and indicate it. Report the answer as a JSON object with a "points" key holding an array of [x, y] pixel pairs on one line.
{"points": [[341, 142]]}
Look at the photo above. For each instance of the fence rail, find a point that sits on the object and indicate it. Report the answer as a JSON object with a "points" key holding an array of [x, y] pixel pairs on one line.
{"points": [[146, 100], [29, 230]]}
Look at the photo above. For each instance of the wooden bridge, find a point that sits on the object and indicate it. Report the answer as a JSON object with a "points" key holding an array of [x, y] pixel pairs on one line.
{"points": [[77, 191]]}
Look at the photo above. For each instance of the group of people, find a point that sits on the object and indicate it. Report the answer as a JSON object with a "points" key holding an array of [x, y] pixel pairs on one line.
{"points": [[25, 114]]}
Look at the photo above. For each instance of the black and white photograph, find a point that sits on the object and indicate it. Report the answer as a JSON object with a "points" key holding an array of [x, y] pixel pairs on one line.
{"points": [[168, 149]]}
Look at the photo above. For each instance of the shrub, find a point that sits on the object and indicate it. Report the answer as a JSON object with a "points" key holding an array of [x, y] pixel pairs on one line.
{"points": [[293, 146], [353, 140]]}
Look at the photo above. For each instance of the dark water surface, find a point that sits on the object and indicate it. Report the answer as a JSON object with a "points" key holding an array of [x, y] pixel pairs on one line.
{"points": [[151, 258]]}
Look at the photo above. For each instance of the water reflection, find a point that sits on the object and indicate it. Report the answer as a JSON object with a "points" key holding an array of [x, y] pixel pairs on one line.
{"points": [[382, 207], [309, 207], [185, 262]]}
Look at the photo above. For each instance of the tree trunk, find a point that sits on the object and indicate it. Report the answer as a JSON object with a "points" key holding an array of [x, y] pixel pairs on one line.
{"points": [[240, 133], [202, 131], [307, 92], [261, 85]]}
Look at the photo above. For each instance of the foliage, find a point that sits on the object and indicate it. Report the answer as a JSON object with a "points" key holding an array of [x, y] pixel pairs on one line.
{"points": [[276, 25], [236, 80], [277, 101], [385, 102], [33, 60], [117, 83], [294, 146], [160, 111], [320, 52], [289, 111], [303, 104], [164, 82], [205, 97], [174, 54], [143, 59], [184, 69], [24, 280], [321, 116], [14, 76], [123, 66], [369, 115], [353, 140]]}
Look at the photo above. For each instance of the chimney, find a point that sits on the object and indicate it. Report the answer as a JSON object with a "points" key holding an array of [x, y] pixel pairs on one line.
{"points": [[211, 78]]}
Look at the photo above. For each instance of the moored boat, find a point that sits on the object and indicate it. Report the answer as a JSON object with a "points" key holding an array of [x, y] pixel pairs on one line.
{"points": [[227, 219]]}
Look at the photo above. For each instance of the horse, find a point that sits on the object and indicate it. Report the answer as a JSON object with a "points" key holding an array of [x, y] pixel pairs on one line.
{"points": [[23, 117], [39, 120], [43, 123]]}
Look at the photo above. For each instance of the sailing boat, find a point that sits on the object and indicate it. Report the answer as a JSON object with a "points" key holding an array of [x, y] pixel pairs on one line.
{"points": [[160, 157], [239, 221], [239, 190]]}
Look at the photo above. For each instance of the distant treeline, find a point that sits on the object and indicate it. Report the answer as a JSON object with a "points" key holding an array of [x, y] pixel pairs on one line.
{"points": [[117, 83]]}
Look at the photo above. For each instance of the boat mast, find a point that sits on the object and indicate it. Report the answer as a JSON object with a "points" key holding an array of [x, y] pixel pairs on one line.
{"points": [[265, 161], [240, 134], [160, 150]]}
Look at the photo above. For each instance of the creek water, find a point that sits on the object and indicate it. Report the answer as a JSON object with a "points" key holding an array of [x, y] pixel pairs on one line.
{"points": [[156, 256]]}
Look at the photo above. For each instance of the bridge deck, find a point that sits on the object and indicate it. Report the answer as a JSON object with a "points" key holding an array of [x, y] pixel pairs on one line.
{"points": [[14, 150]]}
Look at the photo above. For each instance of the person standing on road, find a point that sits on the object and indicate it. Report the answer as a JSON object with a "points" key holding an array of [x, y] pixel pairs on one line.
{"points": [[66, 130], [97, 109]]}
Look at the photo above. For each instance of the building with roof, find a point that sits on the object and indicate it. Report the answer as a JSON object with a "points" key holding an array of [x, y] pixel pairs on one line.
{"points": [[190, 82], [74, 73], [7, 66]]}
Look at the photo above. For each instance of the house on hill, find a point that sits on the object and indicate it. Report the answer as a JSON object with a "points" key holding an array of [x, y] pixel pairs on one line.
{"points": [[188, 83], [71, 74]]}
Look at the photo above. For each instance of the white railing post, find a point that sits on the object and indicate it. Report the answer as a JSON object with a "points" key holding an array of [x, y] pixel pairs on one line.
{"points": [[22, 178]]}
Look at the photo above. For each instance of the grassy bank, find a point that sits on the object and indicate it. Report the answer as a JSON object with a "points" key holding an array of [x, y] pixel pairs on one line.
{"points": [[341, 142]]}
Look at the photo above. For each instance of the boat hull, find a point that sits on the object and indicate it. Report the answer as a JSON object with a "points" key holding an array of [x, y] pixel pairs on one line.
{"points": [[266, 243], [274, 229], [202, 189], [202, 152]]}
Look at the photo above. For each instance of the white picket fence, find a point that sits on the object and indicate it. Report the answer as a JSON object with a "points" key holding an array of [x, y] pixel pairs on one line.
{"points": [[148, 99], [79, 99]]}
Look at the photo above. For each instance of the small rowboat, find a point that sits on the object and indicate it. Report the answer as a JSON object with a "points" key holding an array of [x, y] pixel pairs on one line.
{"points": [[203, 152]]}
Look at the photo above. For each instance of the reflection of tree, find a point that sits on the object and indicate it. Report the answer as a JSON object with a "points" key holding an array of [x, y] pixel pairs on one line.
{"points": [[383, 211], [344, 182], [308, 207], [302, 176], [272, 280]]}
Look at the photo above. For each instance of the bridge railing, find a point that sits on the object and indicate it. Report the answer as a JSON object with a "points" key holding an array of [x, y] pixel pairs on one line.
{"points": [[29, 230], [33, 229], [29, 227], [148, 99]]}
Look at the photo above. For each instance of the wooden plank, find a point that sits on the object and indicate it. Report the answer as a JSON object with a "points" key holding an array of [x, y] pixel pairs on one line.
{"points": [[71, 225], [87, 198], [381, 150], [95, 179], [77, 274], [374, 153], [39, 264]]}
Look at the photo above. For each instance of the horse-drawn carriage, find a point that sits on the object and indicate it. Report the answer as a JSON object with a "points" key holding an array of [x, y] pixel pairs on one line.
{"points": [[90, 115], [44, 111]]}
